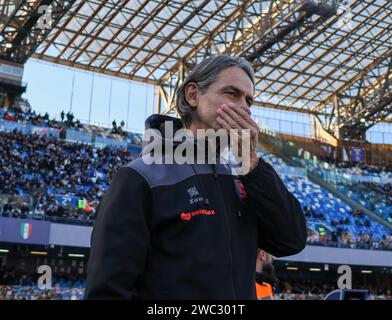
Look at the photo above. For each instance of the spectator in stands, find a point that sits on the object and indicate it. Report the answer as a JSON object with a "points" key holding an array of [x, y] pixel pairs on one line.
{"points": [[118, 129], [7, 209], [313, 236], [70, 118], [39, 211]]}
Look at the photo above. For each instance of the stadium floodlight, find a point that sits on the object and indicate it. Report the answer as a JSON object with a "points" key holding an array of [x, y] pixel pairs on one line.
{"points": [[315, 269], [4, 251], [38, 253], [366, 271], [75, 255], [292, 268]]}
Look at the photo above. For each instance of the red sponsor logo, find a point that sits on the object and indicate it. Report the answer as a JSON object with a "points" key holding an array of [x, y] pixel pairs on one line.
{"points": [[186, 216]]}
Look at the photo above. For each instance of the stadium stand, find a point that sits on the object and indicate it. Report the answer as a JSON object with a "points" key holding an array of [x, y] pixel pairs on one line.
{"points": [[51, 175], [374, 196], [46, 179], [25, 116], [20, 285], [366, 184], [331, 221]]}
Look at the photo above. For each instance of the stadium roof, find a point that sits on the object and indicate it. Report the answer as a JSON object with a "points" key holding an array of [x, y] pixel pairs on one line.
{"points": [[307, 57]]}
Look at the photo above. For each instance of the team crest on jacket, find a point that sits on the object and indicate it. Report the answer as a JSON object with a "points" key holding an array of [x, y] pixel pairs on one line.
{"points": [[240, 189], [195, 197]]}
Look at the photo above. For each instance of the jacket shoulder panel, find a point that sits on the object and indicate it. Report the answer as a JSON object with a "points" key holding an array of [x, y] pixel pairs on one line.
{"points": [[169, 174]]}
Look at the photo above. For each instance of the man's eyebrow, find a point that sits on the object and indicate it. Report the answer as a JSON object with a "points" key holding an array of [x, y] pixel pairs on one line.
{"points": [[238, 90]]}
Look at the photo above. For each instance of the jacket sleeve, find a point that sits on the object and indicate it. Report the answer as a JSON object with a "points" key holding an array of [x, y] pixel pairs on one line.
{"points": [[281, 223], [120, 238]]}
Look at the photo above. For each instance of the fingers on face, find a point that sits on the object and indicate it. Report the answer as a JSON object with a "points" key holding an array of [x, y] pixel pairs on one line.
{"points": [[246, 115], [223, 123], [234, 132], [231, 120], [237, 117]]}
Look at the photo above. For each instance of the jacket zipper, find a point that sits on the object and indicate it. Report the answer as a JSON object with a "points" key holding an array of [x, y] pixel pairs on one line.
{"points": [[228, 229]]}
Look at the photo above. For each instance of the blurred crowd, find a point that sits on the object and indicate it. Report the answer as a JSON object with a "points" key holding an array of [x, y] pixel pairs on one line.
{"points": [[21, 286], [339, 236], [363, 168], [17, 284], [67, 121], [377, 197], [383, 189], [15, 113], [40, 167], [343, 239], [379, 288]]}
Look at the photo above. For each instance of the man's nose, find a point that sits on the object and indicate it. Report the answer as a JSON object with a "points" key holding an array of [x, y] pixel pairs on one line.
{"points": [[245, 105]]}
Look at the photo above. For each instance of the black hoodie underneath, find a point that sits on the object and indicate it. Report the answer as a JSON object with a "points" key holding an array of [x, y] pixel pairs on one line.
{"points": [[170, 231]]}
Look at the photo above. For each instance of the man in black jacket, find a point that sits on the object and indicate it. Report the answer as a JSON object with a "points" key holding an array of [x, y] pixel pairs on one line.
{"points": [[191, 231]]}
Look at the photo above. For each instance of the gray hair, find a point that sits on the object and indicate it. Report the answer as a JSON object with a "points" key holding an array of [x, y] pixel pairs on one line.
{"points": [[204, 74]]}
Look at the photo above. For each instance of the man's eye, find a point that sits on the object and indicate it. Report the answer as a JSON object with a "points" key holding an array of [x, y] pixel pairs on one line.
{"points": [[231, 93]]}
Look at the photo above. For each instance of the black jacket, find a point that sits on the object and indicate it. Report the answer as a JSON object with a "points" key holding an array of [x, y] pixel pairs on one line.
{"points": [[170, 231]]}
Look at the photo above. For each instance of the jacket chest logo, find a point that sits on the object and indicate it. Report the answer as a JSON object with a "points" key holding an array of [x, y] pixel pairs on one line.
{"points": [[195, 196]]}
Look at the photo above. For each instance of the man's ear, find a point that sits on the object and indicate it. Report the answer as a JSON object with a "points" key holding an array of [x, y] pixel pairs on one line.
{"points": [[192, 94]]}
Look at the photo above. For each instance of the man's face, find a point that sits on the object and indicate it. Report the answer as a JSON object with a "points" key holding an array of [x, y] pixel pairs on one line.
{"points": [[232, 87], [263, 259]]}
